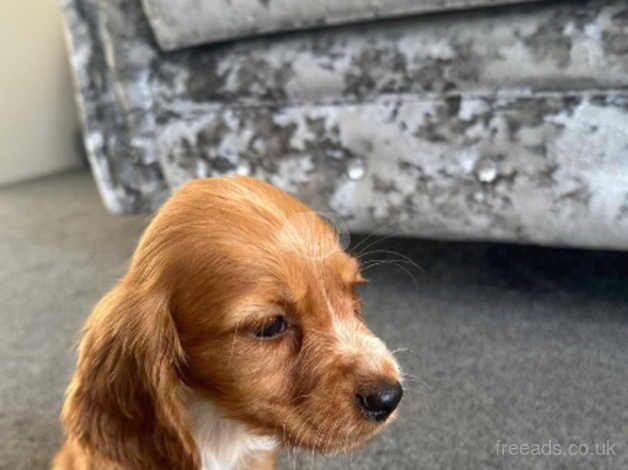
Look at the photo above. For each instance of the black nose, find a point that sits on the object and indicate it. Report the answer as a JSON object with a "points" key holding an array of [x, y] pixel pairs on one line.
{"points": [[378, 402]]}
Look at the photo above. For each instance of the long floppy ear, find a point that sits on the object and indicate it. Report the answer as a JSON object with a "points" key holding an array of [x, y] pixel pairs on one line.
{"points": [[124, 401]]}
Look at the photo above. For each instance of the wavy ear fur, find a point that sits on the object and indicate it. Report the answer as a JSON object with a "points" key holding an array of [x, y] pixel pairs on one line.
{"points": [[124, 402]]}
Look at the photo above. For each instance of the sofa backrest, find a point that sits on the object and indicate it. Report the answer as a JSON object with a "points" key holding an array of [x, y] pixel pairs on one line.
{"points": [[193, 22]]}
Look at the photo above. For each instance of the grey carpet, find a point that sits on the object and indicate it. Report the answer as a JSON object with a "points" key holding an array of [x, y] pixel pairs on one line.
{"points": [[517, 344]]}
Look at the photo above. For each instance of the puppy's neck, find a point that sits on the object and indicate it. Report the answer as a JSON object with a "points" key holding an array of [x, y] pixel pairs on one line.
{"points": [[223, 444]]}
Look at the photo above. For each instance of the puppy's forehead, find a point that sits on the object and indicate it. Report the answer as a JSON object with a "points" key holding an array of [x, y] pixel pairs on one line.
{"points": [[297, 277]]}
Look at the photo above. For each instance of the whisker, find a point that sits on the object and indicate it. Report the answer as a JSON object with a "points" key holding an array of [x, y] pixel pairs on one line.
{"points": [[370, 238], [375, 263], [401, 350], [408, 378], [373, 234], [404, 269], [407, 258]]}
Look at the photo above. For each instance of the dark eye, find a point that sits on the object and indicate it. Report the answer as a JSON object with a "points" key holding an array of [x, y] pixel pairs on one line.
{"points": [[272, 329]]}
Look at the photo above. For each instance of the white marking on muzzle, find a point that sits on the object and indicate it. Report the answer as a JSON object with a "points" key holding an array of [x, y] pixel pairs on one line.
{"points": [[355, 341]]}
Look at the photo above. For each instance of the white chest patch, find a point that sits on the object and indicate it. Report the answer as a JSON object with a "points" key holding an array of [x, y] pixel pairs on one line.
{"points": [[224, 444]]}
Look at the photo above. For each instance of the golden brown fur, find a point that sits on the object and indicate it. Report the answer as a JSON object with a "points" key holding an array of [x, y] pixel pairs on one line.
{"points": [[221, 258]]}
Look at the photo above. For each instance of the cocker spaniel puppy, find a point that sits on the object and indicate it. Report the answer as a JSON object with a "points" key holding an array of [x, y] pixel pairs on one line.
{"points": [[237, 330]]}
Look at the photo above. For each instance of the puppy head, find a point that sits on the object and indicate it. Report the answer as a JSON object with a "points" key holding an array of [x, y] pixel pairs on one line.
{"points": [[241, 293], [265, 304]]}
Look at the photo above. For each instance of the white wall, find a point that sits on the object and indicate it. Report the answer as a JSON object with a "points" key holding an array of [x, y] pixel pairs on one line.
{"points": [[38, 121]]}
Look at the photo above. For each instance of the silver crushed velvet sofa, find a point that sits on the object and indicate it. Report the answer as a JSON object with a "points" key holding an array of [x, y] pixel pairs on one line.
{"points": [[457, 119]]}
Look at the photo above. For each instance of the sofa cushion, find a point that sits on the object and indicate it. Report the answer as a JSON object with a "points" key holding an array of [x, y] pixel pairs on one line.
{"points": [[194, 22]]}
